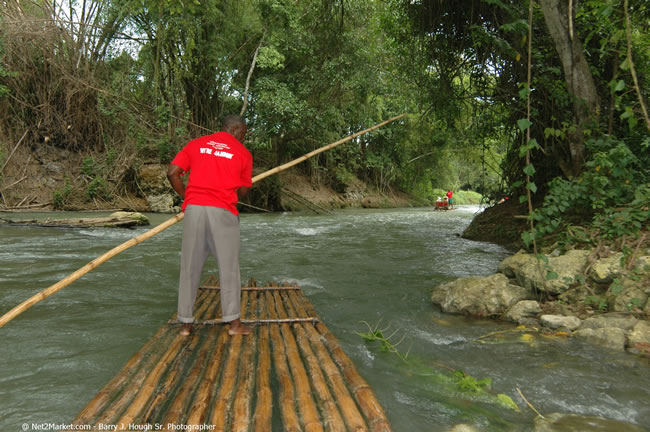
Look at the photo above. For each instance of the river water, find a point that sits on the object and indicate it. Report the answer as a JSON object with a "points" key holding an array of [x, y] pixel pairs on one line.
{"points": [[358, 268]]}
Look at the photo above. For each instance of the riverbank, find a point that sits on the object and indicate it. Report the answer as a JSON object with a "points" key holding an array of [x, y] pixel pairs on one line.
{"points": [[50, 178]]}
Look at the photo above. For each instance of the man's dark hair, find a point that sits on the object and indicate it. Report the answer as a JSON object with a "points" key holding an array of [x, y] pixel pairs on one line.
{"points": [[231, 121]]}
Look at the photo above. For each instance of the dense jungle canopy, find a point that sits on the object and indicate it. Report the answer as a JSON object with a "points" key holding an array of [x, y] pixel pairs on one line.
{"points": [[533, 100]]}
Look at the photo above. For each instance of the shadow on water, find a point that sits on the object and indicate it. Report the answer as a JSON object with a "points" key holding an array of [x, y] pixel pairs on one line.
{"points": [[356, 266]]}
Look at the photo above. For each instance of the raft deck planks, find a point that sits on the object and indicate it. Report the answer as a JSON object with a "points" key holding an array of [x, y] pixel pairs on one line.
{"points": [[290, 373]]}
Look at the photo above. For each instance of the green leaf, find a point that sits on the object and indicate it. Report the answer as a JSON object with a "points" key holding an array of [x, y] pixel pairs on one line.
{"points": [[625, 65], [531, 186], [529, 170], [523, 124], [551, 275], [523, 198], [507, 402], [620, 85]]}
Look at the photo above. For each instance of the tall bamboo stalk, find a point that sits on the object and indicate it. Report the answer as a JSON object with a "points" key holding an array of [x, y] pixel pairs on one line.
{"points": [[142, 237]]}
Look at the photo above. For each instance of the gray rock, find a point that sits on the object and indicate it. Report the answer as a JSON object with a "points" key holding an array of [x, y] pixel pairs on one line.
{"points": [[643, 263], [624, 322], [605, 270], [561, 422], [638, 339], [632, 296], [152, 179], [523, 311], [139, 217], [531, 272], [162, 203], [609, 337], [463, 428], [54, 168], [560, 321], [479, 296]]}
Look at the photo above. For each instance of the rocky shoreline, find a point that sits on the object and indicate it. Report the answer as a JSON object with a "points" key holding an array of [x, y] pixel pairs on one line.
{"points": [[585, 295]]}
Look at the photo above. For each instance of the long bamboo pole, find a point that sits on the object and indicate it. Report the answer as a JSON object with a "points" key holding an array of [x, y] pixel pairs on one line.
{"points": [[22, 307]]}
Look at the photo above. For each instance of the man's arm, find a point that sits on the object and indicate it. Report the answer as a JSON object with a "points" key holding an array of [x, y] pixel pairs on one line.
{"points": [[174, 176], [242, 192]]}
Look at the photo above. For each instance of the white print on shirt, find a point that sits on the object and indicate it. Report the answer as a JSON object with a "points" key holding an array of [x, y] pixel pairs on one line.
{"points": [[218, 146], [217, 153]]}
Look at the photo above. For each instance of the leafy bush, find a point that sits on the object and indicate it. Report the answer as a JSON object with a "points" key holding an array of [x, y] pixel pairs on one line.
{"points": [[88, 167], [98, 188], [61, 196], [611, 196]]}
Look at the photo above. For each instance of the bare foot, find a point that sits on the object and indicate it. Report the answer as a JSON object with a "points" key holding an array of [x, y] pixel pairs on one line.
{"points": [[186, 329], [237, 328]]}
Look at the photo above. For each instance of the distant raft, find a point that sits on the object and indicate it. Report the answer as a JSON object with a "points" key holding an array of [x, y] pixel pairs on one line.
{"points": [[290, 374]]}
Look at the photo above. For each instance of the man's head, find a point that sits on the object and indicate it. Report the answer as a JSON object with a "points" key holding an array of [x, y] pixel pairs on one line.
{"points": [[235, 125]]}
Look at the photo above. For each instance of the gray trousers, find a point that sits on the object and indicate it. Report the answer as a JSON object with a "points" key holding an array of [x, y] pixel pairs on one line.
{"points": [[209, 230]]}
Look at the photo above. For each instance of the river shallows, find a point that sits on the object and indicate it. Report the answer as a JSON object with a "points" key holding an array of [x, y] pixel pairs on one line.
{"points": [[377, 266]]}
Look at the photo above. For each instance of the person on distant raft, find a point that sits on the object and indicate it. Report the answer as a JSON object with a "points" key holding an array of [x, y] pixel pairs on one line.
{"points": [[220, 170], [449, 195]]}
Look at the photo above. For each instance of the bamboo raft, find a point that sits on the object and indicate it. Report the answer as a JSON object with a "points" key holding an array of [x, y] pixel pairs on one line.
{"points": [[290, 374]]}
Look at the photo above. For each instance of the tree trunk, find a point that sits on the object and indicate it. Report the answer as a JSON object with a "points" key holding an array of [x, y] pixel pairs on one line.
{"points": [[558, 18]]}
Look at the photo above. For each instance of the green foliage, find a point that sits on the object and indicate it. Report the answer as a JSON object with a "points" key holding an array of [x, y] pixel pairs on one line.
{"points": [[88, 167], [611, 195], [98, 188], [599, 302], [61, 196], [458, 380], [375, 334], [467, 383]]}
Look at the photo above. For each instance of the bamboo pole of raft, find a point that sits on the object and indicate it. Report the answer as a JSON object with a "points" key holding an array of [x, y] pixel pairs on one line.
{"points": [[333, 420], [200, 405], [221, 406], [362, 392], [241, 406], [22, 307], [263, 407], [306, 404], [133, 382], [360, 388], [351, 414], [178, 407], [145, 378], [174, 373], [117, 383], [286, 397]]}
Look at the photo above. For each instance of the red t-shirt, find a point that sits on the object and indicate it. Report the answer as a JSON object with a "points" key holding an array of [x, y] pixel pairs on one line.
{"points": [[219, 165], [449, 194]]}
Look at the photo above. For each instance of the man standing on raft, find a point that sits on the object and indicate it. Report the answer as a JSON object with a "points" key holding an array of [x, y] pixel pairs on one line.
{"points": [[220, 173]]}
